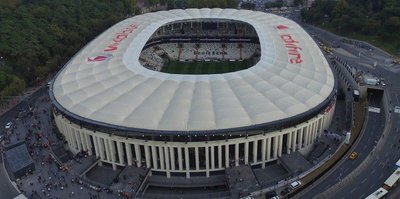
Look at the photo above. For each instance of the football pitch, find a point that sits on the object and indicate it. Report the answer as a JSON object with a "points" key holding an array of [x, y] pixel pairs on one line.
{"points": [[203, 67]]}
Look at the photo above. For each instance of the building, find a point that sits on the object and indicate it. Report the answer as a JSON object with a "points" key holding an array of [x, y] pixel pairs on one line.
{"points": [[108, 104]]}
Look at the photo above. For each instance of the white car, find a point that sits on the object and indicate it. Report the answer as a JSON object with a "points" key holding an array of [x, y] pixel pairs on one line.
{"points": [[8, 125], [295, 184]]}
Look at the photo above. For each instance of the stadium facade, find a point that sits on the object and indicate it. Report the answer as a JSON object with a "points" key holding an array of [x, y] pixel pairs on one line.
{"points": [[108, 104]]}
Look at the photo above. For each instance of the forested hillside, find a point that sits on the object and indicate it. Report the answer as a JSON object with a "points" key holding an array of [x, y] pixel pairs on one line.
{"points": [[377, 21], [37, 37]]}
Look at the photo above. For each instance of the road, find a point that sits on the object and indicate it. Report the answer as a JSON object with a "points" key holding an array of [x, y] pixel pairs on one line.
{"points": [[6, 188], [374, 174], [375, 125], [385, 158]]}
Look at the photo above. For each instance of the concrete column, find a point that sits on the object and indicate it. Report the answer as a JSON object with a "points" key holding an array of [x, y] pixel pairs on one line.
{"points": [[89, 144], [212, 157], [314, 133], [310, 131], [237, 154], [82, 139], [263, 150], [207, 162], [96, 147], [187, 162], [319, 127], [102, 149], [74, 137], [147, 156], [220, 156], [71, 140], [246, 153], [196, 152], [120, 152], [306, 135], [268, 149], [154, 156], [294, 142], [138, 155], [226, 155], [167, 163], [280, 145], [180, 158], [78, 140], [161, 153], [255, 147], [107, 147], [112, 153], [301, 138], [275, 146], [66, 133], [289, 142], [128, 150], [172, 155]]}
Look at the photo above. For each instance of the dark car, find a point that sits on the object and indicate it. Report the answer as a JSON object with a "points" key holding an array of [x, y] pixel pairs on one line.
{"points": [[285, 191], [271, 194]]}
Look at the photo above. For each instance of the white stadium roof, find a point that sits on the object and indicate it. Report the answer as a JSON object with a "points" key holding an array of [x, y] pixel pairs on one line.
{"points": [[105, 82]]}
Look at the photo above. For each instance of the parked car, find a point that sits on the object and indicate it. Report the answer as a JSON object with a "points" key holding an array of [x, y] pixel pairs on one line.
{"points": [[271, 195], [295, 184], [8, 125], [285, 191]]}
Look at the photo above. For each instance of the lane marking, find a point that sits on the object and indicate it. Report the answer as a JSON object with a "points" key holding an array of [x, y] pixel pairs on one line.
{"points": [[371, 186], [365, 179], [373, 171], [353, 190]]}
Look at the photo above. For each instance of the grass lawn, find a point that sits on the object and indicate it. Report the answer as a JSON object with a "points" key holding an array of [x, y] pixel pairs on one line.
{"points": [[390, 47], [200, 67]]}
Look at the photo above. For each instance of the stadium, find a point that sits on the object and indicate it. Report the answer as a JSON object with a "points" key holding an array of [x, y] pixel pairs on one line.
{"points": [[193, 92]]}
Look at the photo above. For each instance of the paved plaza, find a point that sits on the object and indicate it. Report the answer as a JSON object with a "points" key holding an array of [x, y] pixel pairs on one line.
{"points": [[60, 174]]}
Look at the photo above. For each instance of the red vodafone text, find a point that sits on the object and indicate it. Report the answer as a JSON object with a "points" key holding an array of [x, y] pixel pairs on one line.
{"points": [[293, 50], [119, 37]]}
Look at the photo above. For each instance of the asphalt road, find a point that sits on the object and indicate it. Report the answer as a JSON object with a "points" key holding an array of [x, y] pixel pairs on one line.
{"points": [[375, 125], [6, 188], [375, 173], [385, 158]]}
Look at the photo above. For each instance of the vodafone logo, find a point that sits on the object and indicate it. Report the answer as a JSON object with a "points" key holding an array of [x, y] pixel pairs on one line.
{"points": [[119, 37], [98, 58], [282, 27], [291, 44]]}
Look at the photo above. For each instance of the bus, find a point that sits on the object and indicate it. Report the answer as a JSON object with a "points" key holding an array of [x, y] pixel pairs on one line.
{"points": [[393, 179]]}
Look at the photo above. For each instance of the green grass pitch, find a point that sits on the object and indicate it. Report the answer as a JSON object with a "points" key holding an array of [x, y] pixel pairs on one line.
{"points": [[202, 67]]}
